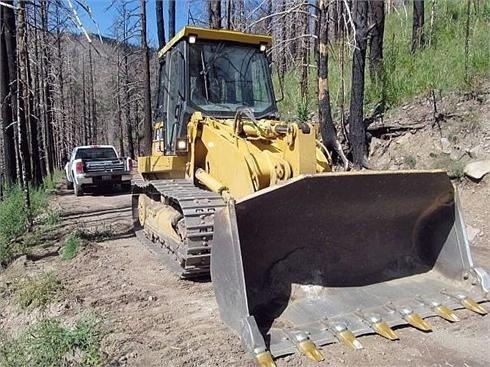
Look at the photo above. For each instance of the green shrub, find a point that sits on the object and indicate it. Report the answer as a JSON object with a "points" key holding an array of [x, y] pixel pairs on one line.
{"points": [[14, 218], [52, 217], [410, 161], [456, 169], [49, 343], [70, 247], [38, 291], [97, 234], [50, 182]]}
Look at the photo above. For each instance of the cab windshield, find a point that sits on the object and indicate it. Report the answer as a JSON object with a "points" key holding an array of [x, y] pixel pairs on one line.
{"points": [[224, 77]]}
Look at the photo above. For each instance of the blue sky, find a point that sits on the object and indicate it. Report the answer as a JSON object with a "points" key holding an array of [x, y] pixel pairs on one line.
{"points": [[105, 17]]}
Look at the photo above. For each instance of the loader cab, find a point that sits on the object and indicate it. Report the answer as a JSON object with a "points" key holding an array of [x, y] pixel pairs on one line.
{"points": [[215, 72]]}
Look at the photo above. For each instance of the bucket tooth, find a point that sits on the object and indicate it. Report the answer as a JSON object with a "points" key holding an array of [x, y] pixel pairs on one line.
{"points": [[384, 330], [467, 302], [347, 337], [310, 350], [264, 359], [441, 310], [472, 305], [446, 313], [417, 321]]}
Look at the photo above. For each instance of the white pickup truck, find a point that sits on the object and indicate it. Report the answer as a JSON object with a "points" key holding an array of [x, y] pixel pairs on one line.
{"points": [[97, 166]]}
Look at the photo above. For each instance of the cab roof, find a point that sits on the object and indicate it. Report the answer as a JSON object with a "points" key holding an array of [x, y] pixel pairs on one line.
{"points": [[216, 35]]}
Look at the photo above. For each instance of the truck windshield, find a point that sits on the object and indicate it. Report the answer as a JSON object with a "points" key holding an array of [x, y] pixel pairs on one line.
{"points": [[95, 153], [224, 77]]}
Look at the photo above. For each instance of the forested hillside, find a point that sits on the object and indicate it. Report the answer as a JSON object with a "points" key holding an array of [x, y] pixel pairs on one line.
{"points": [[81, 89]]}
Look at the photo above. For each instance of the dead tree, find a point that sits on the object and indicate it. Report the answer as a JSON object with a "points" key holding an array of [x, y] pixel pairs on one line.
{"points": [[214, 13], [92, 100], [377, 25], [160, 23], [46, 91], [327, 128], [7, 81], [171, 19], [37, 97], [305, 54], [418, 39], [229, 14], [23, 111], [357, 129], [147, 125]]}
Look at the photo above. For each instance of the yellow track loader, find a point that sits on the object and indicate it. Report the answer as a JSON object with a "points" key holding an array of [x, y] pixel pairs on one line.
{"points": [[299, 256]]}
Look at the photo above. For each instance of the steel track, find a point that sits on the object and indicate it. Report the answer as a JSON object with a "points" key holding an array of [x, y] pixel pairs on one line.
{"points": [[189, 258]]}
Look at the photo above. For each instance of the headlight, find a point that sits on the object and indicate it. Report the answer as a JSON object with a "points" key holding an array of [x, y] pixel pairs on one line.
{"points": [[181, 145]]}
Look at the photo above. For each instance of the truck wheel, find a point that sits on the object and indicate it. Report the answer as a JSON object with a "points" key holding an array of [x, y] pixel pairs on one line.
{"points": [[78, 190], [69, 185]]}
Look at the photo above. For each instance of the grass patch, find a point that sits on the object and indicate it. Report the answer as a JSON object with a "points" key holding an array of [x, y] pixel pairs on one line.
{"points": [[52, 218], [51, 182], [14, 216], [70, 248], [49, 343], [97, 234], [38, 291]]}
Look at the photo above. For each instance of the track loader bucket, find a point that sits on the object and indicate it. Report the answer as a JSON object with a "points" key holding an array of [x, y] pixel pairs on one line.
{"points": [[328, 257]]}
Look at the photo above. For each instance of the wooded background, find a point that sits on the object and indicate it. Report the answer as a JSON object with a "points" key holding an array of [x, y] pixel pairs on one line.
{"points": [[61, 86]]}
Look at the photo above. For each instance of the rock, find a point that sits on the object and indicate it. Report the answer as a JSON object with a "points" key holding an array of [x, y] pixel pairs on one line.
{"points": [[477, 169], [472, 232], [375, 145], [474, 152], [456, 155], [404, 139], [445, 145]]}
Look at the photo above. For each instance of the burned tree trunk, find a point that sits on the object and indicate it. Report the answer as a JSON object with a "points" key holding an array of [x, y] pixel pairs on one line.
{"points": [[93, 103], [147, 125], [127, 108], [160, 23], [214, 10], [327, 128], [418, 39], [171, 19], [7, 79], [37, 121], [357, 129], [23, 112], [47, 92], [377, 21], [305, 47]]}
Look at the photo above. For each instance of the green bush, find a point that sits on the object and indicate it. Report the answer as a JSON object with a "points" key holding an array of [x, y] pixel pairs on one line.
{"points": [[49, 343]]}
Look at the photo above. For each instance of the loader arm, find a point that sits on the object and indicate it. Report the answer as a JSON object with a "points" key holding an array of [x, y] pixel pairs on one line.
{"points": [[245, 156]]}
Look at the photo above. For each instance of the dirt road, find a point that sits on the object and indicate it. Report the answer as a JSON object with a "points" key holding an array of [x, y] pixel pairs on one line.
{"points": [[151, 318], [154, 319]]}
